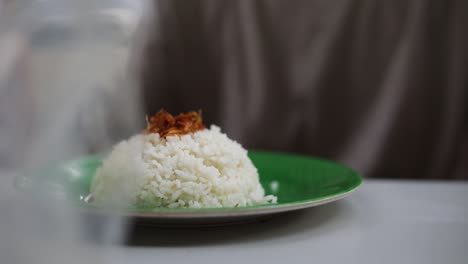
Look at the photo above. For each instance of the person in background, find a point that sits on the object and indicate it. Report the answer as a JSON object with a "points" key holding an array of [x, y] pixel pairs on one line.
{"points": [[381, 86]]}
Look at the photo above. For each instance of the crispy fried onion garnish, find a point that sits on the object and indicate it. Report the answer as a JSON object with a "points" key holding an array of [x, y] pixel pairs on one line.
{"points": [[166, 124]]}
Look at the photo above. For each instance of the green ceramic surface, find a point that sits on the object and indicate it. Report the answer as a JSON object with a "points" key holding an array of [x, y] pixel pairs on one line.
{"points": [[301, 179], [294, 179]]}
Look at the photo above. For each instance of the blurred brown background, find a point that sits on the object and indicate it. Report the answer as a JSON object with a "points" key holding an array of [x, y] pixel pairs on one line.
{"points": [[378, 85]]}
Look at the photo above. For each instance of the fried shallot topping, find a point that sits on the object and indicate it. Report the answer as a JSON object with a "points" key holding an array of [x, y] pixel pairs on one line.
{"points": [[166, 124]]}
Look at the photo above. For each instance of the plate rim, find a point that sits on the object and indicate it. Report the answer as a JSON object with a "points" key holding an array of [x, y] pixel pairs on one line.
{"points": [[220, 212], [186, 213]]}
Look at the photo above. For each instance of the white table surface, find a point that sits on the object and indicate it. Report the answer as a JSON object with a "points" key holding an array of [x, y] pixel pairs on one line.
{"points": [[383, 222]]}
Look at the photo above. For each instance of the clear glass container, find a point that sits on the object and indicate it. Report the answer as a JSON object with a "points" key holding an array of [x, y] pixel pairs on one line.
{"points": [[67, 88]]}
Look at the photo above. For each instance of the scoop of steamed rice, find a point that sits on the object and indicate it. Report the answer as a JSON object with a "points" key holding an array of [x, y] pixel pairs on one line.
{"points": [[204, 169]]}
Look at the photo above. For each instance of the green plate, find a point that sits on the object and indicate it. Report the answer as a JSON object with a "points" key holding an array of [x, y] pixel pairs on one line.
{"points": [[298, 181]]}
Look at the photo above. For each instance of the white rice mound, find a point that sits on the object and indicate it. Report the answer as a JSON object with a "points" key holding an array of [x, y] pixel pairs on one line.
{"points": [[204, 169]]}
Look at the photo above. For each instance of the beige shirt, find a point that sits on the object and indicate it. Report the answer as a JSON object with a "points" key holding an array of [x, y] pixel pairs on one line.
{"points": [[381, 86]]}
